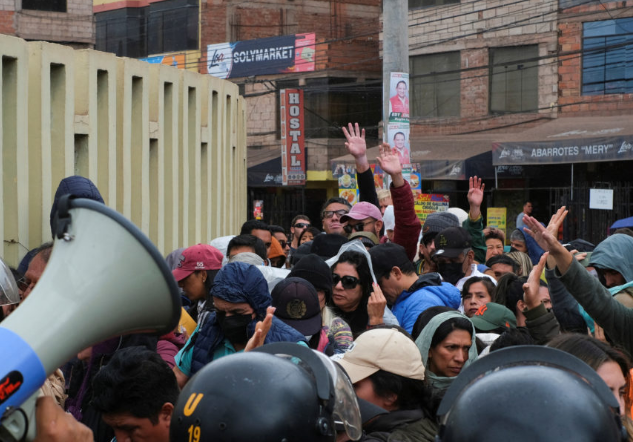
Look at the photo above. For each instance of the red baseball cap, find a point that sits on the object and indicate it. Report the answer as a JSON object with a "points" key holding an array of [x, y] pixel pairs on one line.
{"points": [[198, 257]]}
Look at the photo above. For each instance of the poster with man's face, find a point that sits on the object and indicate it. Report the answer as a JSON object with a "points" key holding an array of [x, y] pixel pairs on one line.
{"points": [[398, 137], [399, 97]]}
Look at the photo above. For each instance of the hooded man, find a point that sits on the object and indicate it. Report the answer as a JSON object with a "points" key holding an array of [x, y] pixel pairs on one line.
{"points": [[613, 260], [240, 296]]}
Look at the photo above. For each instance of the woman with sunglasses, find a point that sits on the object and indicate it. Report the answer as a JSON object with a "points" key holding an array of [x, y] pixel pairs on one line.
{"points": [[356, 299]]}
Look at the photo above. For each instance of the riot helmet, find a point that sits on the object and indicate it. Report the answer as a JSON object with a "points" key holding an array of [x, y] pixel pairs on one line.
{"points": [[528, 393], [280, 391], [8, 288]]}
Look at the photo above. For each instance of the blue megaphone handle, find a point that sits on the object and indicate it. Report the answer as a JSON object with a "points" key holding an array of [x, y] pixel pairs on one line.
{"points": [[21, 371]]}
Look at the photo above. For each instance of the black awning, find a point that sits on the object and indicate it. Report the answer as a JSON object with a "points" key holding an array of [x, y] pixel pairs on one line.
{"points": [[266, 174]]}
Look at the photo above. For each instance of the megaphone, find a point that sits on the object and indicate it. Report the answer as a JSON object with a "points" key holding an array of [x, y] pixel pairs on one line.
{"points": [[104, 278]]}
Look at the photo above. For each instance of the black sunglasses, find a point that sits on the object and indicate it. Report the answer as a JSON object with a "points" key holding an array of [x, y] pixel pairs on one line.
{"points": [[301, 225], [282, 243], [348, 282], [356, 227]]}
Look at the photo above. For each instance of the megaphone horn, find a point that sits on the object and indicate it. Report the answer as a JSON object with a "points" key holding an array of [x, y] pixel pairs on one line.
{"points": [[104, 278]]}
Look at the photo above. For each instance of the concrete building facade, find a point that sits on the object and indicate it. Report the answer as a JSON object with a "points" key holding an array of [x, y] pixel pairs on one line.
{"points": [[165, 147]]}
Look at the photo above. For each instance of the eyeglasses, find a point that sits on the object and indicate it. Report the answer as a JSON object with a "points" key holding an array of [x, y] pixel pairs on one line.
{"points": [[348, 282], [357, 227], [301, 225], [22, 283], [327, 214], [282, 243]]}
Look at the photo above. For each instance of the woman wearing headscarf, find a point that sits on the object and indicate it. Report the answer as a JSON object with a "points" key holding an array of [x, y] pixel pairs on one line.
{"points": [[447, 345]]}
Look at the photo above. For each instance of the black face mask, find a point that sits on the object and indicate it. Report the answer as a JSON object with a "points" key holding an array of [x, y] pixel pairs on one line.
{"points": [[451, 271], [234, 327]]}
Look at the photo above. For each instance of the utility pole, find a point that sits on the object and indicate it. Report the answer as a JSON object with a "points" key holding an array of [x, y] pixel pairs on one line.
{"points": [[395, 48]]}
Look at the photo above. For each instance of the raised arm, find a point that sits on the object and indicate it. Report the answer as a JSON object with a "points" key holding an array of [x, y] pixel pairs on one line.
{"points": [[357, 147], [407, 228], [474, 224]]}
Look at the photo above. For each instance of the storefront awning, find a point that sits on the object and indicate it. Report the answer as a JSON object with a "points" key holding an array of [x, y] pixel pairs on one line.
{"points": [[266, 174], [568, 140]]}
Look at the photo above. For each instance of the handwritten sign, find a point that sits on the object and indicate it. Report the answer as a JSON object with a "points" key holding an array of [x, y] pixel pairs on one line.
{"points": [[601, 199]]}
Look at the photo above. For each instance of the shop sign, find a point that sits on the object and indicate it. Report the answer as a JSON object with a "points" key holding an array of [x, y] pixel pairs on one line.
{"points": [[293, 167]]}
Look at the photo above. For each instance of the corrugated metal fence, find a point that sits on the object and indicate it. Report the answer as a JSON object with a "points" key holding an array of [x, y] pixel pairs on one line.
{"points": [[166, 148]]}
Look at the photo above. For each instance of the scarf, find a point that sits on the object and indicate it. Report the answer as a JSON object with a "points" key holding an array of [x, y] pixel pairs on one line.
{"points": [[424, 344]]}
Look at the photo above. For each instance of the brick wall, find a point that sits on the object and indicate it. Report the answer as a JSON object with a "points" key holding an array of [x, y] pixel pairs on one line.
{"points": [[346, 45], [7, 22], [346, 31], [571, 100], [473, 28], [74, 27]]}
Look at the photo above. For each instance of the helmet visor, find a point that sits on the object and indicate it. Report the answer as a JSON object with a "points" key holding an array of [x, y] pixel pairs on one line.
{"points": [[8, 288], [346, 411]]}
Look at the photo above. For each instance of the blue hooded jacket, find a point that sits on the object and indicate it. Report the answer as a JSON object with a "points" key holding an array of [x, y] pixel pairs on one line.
{"points": [[238, 282], [428, 291], [73, 185]]}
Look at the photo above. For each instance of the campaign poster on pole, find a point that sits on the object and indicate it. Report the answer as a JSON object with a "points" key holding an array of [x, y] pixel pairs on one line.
{"points": [[399, 141], [398, 129], [399, 97]]}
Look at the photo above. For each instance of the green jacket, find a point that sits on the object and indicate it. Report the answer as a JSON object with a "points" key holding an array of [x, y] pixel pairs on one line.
{"points": [[476, 230], [613, 317]]}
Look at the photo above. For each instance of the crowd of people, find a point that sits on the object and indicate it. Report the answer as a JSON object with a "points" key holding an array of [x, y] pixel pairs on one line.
{"points": [[366, 325]]}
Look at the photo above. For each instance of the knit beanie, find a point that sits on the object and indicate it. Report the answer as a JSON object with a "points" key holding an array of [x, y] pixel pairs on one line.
{"points": [[438, 221], [314, 270]]}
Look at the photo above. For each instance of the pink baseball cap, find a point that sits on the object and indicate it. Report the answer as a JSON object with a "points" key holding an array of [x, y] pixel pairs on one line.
{"points": [[198, 257], [361, 211]]}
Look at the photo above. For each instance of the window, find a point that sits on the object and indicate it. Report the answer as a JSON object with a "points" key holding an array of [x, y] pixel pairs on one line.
{"points": [[172, 26], [331, 103], [435, 85], [514, 79], [607, 61], [45, 5], [122, 32], [166, 26], [413, 4]]}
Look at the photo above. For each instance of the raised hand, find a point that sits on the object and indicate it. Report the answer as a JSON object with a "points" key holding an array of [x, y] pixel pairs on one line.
{"points": [[475, 191], [533, 284], [355, 144], [261, 330], [541, 235], [555, 222], [376, 306], [389, 161]]}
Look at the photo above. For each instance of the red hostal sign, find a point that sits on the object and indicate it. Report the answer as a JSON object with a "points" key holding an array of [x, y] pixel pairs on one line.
{"points": [[293, 154]]}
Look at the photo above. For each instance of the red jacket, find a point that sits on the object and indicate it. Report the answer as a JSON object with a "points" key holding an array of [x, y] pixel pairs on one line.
{"points": [[408, 224]]}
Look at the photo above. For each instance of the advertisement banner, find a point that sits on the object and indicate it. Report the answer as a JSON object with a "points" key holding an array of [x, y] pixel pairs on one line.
{"points": [[175, 60], [258, 209], [274, 55], [293, 165], [565, 151], [427, 203], [497, 217]]}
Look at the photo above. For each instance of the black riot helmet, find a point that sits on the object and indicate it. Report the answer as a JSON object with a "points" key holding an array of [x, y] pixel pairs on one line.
{"points": [[529, 393], [278, 392]]}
